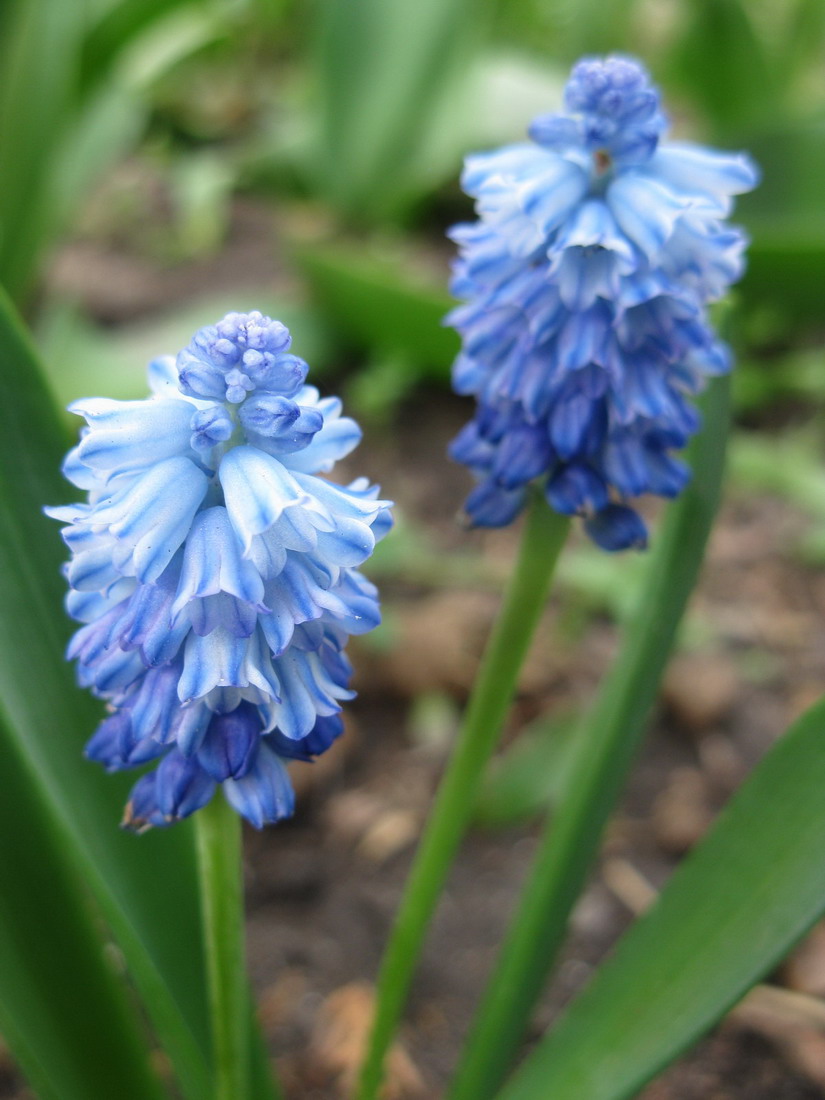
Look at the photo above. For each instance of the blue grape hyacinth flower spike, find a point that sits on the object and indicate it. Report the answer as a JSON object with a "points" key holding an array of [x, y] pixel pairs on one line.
{"points": [[585, 282], [216, 573]]}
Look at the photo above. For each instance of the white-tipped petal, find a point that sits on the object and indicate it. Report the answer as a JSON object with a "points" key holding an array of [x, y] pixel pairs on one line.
{"points": [[645, 210], [131, 435], [152, 516], [333, 442], [695, 169], [257, 489], [213, 562]]}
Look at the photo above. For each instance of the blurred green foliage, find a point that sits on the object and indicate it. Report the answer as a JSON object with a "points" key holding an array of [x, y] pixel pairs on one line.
{"points": [[787, 465], [366, 108]]}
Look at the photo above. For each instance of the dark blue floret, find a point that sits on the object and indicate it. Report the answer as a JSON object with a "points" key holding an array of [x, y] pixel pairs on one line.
{"points": [[491, 505], [231, 742], [115, 746], [325, 731], [182, 786], [264, 795], [576, 490], [142, 810], [617, 527]]}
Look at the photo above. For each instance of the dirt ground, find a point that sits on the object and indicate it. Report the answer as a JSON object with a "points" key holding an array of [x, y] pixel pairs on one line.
{"points": [[322, 888]]}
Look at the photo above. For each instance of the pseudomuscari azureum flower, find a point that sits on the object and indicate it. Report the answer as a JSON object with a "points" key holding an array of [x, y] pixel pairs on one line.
{"points": [[585, 282], [216, 574]]}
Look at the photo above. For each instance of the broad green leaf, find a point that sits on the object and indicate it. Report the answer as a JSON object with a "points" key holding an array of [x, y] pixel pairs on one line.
{"points": [[785, 217], [36, 102], [785, 273], [374, 393], [146, 885], [377, 301], [529, 775], [803, 41], [185, 30], [722, 62], [788, 464], [61, 122], [118, 27], [389, 72], [510, 89], [799, 377], [728, 915], [94, 138], [597, 26], [62, 1011]]}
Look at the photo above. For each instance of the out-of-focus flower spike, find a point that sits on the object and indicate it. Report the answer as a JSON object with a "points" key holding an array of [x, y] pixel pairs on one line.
{"points": [[586, 282]]}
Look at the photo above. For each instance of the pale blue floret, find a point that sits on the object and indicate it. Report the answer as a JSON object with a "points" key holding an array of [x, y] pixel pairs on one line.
{"points": [[216, 573], [586, 281]]}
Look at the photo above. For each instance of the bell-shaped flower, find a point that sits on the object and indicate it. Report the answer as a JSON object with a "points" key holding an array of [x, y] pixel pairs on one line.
{"points": [[216, 573]]}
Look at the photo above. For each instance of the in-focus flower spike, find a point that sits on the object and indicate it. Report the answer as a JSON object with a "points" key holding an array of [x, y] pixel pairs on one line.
{"points": [[586, 281], [216, 574]]}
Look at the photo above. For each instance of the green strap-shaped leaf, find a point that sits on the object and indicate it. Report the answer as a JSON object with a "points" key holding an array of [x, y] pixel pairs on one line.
{"points": [[36, 102], [728, 915], [118, 26], [375, 301], [146, 885], [720, 58], [388, 73], [62, 1011]]}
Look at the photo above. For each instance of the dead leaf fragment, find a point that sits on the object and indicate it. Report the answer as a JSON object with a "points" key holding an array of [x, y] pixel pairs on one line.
{"points": [[683, 812], [700, 689], [339, 1040], [391, 833], [805, 969], [794, 1021]]}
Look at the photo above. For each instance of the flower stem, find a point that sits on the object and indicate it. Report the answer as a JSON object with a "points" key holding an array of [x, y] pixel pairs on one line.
{"points": [[221, 878], [524, 600], [605, 749]]}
